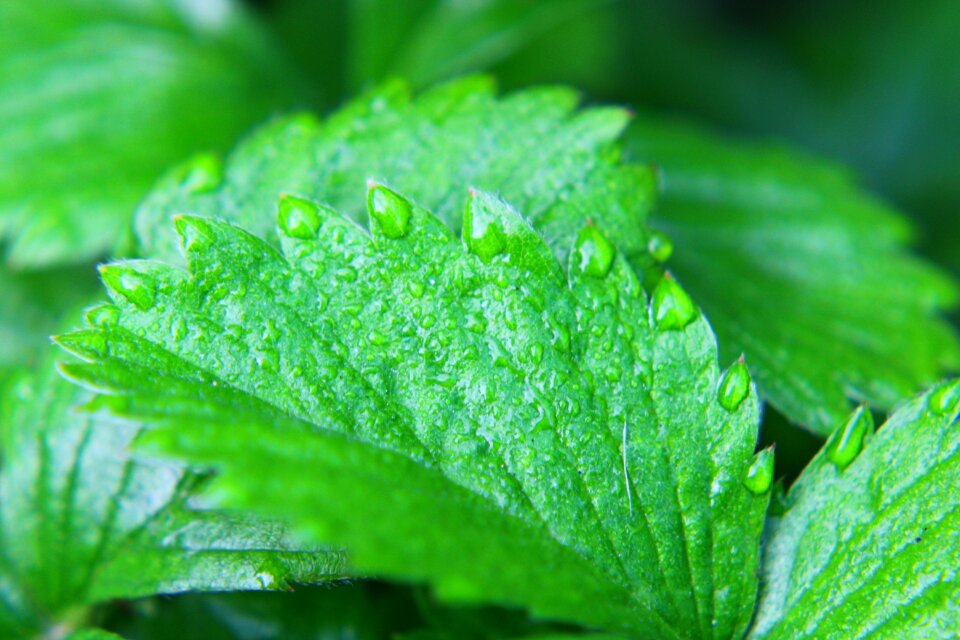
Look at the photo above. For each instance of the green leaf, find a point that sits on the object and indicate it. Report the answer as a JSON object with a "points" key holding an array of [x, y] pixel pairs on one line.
{"points": [[81, 522], [431, 40], [97, 98], [358, 612], [868, 544], [93, 634], [32, 306], [557, 164], [801, 271], [488, 421]]}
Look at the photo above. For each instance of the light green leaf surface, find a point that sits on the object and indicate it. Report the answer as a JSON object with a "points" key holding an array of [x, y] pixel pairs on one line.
{"points": [[98, 97], [868, 548], [466, 413], [93, 634], [801, 271], [81, 522], [558, 165]]}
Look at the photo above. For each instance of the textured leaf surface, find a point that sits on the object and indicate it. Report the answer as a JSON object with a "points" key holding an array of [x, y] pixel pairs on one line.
{"points": [[98, 97], [871, 551], [80, 522], [556, 164], [471, 418], [801, 271]]}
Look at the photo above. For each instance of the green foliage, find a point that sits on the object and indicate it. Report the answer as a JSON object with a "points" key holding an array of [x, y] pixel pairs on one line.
{"points": [[564, 169], [502, 409], [801, 271], [98, 97], [81, 522], [867, 545]]}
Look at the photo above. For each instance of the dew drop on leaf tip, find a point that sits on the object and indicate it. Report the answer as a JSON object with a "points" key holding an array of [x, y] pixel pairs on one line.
{"points": [[594, 252], [734, 386], [846, 443], [297, 217], [672, 307], [137, 288], [482, 233], [945, 398], [390, 211], [759, 476]]}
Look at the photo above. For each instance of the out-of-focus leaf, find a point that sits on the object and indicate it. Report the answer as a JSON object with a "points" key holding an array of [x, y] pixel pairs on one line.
{"points": [[800, 270], [97, 97]]}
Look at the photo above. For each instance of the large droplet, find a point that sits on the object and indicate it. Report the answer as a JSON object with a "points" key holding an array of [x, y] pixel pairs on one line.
{"points": [[945, 398], [734, 386], [135, 287], [195, 233], [759, 477], [594, 253], [672, 307], [389, 210], [847, 441], [660, 246], [481, 231], [102, 316], [298, 217], [202, 174]]}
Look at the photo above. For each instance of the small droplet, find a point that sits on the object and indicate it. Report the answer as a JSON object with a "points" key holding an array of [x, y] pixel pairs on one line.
{"points": [[672, 307], [481, 231], [759, 476], [594, 253], [846, 443], [102, 316], [195, 233], [298, 217], [944, 400], [134, 286], [660, 246], [416, 288], [389, 210], [203, 174], [734, 386]]}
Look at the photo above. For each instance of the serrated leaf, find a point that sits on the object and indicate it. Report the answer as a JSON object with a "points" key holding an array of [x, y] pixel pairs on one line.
{"points": [[801, 271], [870, 549], [81, 522], [97, 98], [557, 164], [485, 421]]}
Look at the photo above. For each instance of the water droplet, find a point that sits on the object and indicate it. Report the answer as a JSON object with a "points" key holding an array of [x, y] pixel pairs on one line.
{"points": [[297, 217], [416, 288], [481, 231], [195, 233], [428, 320], [672, 307], [847, 441], [660, 246], [389, 210], [103, 316], [135, 287], [759, 475], [734, 386], [944, 400], [594, 253], [203, 174]]}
